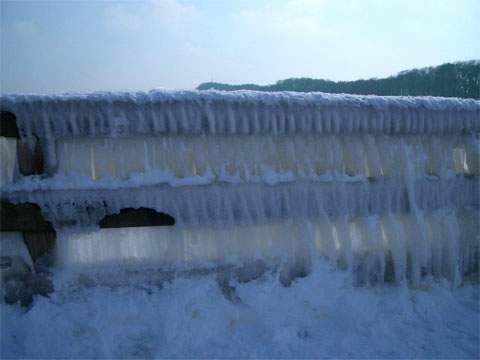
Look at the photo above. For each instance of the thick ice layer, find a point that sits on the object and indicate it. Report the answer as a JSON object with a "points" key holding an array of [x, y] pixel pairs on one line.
{"points": [[189, 159], [237, 112], [390, 247]]}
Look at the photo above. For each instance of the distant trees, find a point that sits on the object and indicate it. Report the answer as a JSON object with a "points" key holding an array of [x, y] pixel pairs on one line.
{"points": [[459, 79]]}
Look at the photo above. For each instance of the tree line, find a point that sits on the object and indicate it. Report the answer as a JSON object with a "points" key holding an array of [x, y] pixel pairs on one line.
{"points": [[459, 79]]}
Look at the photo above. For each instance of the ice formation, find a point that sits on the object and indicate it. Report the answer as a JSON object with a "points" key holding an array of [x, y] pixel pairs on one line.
{"points": [[8, 151], [385, 186], [49, 118], [266, 158]]}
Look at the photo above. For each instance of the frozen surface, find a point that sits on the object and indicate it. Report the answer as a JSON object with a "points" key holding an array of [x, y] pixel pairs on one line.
{"points": [[319, 316]]}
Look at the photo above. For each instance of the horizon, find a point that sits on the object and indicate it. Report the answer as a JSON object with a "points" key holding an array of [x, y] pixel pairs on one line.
{"points": [[476, 61], [80, 47], [196, 88]]}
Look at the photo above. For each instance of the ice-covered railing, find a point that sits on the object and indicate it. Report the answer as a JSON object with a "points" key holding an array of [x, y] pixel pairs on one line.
{"points": [[49, 118], [238, 112], [387, 186]]}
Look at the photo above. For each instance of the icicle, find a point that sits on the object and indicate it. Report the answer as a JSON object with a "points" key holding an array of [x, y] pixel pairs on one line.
{"points": [[473, 154], [8, 165]]}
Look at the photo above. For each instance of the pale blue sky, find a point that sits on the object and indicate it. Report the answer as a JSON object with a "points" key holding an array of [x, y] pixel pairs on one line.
{"points": [[82, 46]]}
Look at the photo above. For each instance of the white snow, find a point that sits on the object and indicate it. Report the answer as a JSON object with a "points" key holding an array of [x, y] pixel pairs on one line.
{"points": [[320, 316]]}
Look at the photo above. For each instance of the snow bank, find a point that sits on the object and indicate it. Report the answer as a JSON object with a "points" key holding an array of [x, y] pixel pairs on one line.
{"points": [[321, 316]]}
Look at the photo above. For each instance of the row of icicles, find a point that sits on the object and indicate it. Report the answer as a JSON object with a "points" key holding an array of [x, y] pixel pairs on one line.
{"points": [[376, 249], [250, 157]]}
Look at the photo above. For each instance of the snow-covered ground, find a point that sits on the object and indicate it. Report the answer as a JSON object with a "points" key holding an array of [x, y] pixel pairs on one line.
{"points": [[319, 316]]}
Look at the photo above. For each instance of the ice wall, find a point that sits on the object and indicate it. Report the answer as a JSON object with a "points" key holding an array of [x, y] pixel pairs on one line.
{"points": [[387, 187]]}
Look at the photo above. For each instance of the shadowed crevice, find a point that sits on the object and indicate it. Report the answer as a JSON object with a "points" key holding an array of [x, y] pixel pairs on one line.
{"points": [[8, 125], [24, 217], [130, 217], [38, 234]]}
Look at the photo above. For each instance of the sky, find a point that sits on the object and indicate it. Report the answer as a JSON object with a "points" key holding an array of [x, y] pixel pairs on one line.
{"points": [[85, 46]]}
